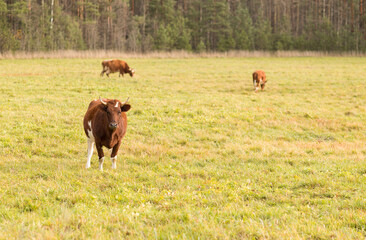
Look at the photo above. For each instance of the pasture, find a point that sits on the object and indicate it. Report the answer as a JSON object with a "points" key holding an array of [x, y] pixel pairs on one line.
{"points": [[204, 156]]}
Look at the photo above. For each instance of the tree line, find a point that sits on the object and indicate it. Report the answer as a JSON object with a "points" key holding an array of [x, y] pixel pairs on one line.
{"points": [[191, 25]]}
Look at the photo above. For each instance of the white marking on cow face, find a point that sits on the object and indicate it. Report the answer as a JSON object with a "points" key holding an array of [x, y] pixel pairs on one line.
{"points": [[116, 105], [114, 162]]}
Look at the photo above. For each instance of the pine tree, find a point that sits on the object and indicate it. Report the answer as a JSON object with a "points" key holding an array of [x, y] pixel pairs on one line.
{"points": [[242, 29], [7, 40]]}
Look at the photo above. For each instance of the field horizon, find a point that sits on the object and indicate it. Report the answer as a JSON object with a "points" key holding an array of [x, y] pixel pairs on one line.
{"points": [[204, 156], [107, 54]]}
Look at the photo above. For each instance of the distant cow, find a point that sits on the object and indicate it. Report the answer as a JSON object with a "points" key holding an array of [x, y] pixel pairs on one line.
{"points": [[115, 65], [259, 78], [105, 124]]}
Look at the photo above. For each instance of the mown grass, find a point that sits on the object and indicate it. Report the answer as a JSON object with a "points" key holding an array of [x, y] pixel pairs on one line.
{"points": [[204, 156]]}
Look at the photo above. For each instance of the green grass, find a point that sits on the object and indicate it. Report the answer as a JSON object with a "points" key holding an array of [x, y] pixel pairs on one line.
{"points": [[204, 156]]}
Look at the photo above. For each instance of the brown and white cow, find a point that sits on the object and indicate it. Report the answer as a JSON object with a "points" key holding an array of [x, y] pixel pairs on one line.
{"points": [[115, 65], [105, 124], [259, 79]]}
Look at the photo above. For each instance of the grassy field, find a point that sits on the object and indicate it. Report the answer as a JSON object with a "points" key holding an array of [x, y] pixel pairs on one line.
{"points": [[204, 157]]}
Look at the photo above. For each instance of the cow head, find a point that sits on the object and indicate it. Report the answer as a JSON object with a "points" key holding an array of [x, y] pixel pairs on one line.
{"points": [[263, 83], [131, 71], [113, 109]]}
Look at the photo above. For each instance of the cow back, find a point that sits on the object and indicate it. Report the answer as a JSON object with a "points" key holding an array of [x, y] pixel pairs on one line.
{"points": [[258, 75], [115, 65]]}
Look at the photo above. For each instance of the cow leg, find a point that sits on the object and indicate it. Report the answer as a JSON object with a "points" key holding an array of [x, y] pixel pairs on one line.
{"points": [[114, 155], [256, 86], [100, 154], [104, 70], [114, 162], [90, 152], [261, 83], [108, 72]]}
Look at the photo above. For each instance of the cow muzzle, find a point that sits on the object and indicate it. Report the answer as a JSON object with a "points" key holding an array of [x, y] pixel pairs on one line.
{"points": [[113, 126]]}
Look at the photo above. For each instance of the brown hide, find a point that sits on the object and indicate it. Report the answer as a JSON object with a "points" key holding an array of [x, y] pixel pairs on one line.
{"points": [[259, 78], [107, 123], [115, 65]]}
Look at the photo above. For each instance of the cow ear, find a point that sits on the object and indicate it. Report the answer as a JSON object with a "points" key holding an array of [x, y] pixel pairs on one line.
{"points": [[125, 107]]}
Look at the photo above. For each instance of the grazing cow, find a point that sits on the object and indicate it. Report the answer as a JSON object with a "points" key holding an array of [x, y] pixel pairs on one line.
{"points": [[259, 78], [115, 65], [105, 124]]}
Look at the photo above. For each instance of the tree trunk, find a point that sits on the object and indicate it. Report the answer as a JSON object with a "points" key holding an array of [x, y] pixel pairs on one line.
{"points": [[352, 17], [361, 14], [273, 16], [52, 4], [132, 7]]}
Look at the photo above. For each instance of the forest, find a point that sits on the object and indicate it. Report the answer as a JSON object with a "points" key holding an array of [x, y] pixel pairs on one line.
{"points": [[189, 25]]}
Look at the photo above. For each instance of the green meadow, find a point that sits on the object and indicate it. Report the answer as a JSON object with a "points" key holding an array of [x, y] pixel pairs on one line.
{"points": [[204, 156]]}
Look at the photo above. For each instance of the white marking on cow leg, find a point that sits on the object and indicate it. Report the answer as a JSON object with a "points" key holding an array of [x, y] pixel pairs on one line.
{"points": [[90, 152], [114, 162], [254, 84], [90, 144], [90, 132], [116, 105], [256, 89], [101, 160]]}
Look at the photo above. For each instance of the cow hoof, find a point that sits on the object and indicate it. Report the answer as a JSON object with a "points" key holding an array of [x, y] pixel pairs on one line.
{"points": [[87, 166]]}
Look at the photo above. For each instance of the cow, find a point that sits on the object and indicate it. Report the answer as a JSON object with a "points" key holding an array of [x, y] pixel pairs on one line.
{"points": [[105, 124], [259, 78], [115, 65]]}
